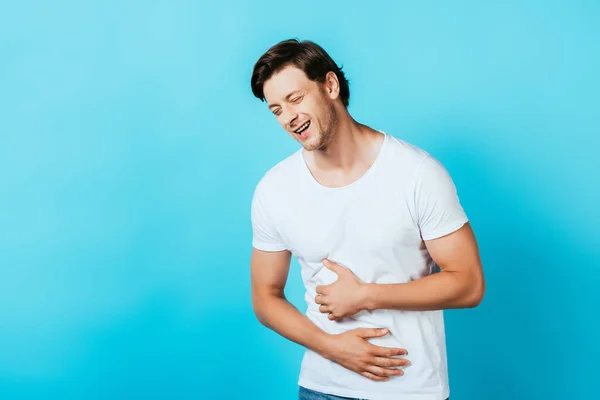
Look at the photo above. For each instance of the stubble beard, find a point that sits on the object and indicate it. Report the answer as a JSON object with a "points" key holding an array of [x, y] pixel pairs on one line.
{"points": [[326, 134]]}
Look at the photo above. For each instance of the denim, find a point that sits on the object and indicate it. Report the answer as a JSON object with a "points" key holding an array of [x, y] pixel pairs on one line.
{"points": [[307, 394]]}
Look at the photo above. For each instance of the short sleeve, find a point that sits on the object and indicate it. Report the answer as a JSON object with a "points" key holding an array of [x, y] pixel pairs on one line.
{"points": [[439, 211], [264, 233]]}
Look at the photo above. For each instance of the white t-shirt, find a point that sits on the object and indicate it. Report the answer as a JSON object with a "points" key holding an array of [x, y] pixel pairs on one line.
{"points": [[375, 227]]}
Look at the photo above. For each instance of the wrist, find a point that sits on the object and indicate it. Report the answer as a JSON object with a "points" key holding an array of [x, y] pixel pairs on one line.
{"points": [[323, 345], [368, 297]]}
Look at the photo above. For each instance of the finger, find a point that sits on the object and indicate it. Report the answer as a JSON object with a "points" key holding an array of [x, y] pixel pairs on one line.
{"points": [[338, 269], [324, 309], [371, 332], [375, 370], [373, 377], [387, 351], [321, 289], [319, 299], [390, 362], [331, 317]]}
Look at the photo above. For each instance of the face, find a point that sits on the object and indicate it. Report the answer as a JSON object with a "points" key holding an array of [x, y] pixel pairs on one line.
{"points": [[305, 109]]}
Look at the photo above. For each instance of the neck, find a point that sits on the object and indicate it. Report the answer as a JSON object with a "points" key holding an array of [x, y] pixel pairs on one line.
{"points": [[353, 145]]}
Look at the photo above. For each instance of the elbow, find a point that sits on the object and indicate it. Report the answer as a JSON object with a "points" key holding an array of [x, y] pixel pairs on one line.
{"points": [[476, 294], [261, 317], [261, 302], [258, 308], [474, 300]]}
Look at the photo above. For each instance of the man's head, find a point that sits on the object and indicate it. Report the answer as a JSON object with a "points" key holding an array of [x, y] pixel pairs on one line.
{"points": [[303, 86]]}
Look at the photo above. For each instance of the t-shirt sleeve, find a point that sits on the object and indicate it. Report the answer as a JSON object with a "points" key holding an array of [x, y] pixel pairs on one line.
{"points": [[264, 232], [439, 211]]}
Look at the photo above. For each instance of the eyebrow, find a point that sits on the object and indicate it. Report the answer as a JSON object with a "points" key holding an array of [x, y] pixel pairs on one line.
{"points": [[286, 98]]}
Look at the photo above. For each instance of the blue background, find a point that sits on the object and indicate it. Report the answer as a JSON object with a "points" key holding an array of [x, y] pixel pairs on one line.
{"points": [[130, 145]]}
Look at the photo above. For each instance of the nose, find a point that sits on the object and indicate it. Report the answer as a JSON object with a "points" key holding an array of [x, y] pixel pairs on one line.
{"points": [[289, 117]]}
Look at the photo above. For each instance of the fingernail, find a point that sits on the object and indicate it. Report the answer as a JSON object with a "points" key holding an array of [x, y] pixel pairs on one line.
{"points": [[384, 330]]}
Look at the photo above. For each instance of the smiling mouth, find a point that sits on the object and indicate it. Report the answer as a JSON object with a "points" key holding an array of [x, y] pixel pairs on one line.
{"points": [[302, 128]]}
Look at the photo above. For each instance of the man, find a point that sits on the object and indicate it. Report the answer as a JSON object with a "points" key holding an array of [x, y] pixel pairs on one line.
{"points": [[368, 217]]}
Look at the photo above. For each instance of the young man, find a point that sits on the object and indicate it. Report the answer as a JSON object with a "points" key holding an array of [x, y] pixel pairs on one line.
{"points": [[368, 217]]}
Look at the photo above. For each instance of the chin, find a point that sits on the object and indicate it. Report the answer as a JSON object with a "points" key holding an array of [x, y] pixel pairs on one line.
{"points": [[313, 143], [310, 146]]}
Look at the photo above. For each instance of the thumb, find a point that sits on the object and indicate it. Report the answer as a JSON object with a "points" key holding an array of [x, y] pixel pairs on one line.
{"points": [[372, 332], [332, 266]]}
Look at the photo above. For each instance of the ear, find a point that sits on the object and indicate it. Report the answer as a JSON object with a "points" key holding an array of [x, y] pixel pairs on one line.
{"points": [[332, 85]]}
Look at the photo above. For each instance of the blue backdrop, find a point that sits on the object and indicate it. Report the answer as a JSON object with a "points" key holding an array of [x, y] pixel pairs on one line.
{"points": [[130, 145]]}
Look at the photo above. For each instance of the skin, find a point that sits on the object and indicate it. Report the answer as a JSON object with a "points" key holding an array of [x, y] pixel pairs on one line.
{"points": [[338, 150]]}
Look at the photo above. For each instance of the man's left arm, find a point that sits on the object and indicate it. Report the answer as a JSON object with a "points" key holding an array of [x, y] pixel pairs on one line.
{"points": [[459, 284], [450, 241]]}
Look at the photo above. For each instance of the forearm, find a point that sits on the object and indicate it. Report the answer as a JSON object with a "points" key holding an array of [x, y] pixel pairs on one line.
{"points": [[442, 290], [278, 314]]}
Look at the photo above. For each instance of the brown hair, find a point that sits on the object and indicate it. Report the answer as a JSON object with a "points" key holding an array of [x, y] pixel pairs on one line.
{"points": [[305, 55]]}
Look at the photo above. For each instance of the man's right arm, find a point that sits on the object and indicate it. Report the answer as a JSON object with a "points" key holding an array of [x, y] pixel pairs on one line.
{"points": [[351, 349], [269, 272]]}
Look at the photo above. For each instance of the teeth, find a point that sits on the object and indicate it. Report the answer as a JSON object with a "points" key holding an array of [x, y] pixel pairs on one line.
{"points": [[303, 127]]}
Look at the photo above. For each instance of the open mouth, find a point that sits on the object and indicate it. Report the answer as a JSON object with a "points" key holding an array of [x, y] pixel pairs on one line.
{"points": [[303, 127]]}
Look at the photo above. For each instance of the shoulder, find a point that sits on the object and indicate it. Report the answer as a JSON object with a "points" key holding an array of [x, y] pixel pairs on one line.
{"points": [[408, 151], [417, 165], [407, 156], [280, 175]]}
